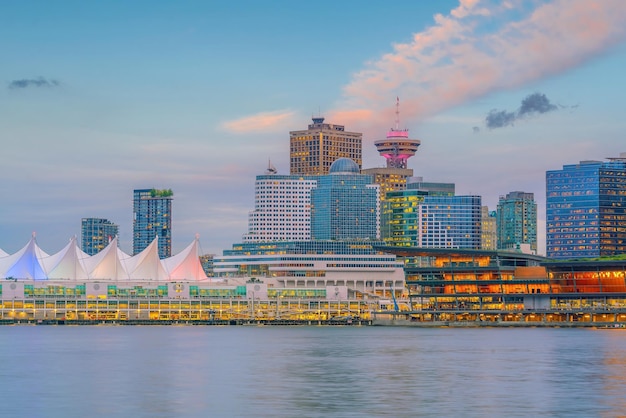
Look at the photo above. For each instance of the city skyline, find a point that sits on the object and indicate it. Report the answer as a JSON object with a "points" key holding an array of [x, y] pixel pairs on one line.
{"points": [[100, 99]]}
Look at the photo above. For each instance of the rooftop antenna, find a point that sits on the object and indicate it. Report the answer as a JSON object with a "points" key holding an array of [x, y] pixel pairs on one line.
{"points": [[397, 113], [270, 168]]}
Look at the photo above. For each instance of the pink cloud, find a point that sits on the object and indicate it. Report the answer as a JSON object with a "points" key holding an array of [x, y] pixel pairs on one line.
{"points": [[261, 122], [461, 57]]}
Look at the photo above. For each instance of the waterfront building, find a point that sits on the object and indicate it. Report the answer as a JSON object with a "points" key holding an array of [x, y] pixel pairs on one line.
{"points": [[152, 218], [413, 218], [586, 209], [488, 229], [305, 281], [282, 208], [316, 264], [312, 151], [96, 234], [517, 221], [483, 287], [110, 264], [345, 204]]}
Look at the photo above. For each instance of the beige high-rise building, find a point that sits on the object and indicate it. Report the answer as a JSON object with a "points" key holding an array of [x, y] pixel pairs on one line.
{"points": [[390, 179], [314, 150], [488, 233]]}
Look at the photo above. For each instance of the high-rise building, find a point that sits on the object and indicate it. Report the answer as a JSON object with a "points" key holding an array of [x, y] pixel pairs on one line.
{"points": [[282, 208], [489, 230], [152, 217], [412, 218], [430, 188], [396, 148], [96, 234], [586, 209], [345, 204], [314, 150], [517, 221]]}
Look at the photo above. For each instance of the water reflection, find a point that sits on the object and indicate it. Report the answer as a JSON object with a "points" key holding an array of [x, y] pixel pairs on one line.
{"points": [[311, 371]]}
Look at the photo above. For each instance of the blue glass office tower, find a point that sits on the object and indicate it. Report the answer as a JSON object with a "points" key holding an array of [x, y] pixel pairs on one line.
{"points": [[414, 218], [152, 216], [586, 209], [345, 204]]}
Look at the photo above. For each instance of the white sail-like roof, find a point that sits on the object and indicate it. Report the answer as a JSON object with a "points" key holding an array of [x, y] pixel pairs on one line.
{"points": [[185, 266], [106, 265], [71, 263], [24, 264], [146, 265], [67, 263], [2, 253]]}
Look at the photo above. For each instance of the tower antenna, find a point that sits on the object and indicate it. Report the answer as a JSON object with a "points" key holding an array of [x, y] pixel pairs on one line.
{"points": [[397, 113]]}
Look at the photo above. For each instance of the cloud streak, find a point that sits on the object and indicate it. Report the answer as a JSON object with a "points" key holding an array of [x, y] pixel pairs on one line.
{"points": [[480, 48], [25, 83], [261, 122]]}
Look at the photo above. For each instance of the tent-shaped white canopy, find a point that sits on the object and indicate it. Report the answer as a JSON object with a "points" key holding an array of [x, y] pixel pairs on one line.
{"points": [[32, 263], [66, 264], [24, 264]]}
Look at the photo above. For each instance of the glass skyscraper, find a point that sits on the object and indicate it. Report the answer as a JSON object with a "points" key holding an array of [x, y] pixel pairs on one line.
{"points": [[96, 233], [412, 218], [517, 221], [586, 209], [152, 217], [345, 205]]}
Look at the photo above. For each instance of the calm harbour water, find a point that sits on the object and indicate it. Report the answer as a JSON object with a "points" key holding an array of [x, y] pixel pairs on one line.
{"points": [[240, 371]]}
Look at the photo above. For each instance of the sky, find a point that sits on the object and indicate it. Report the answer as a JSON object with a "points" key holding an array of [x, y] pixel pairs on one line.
{"points": [[100, 98]]}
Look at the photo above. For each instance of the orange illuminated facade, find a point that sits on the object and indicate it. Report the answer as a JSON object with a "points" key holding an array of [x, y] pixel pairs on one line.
{"points": [[477, 285]]}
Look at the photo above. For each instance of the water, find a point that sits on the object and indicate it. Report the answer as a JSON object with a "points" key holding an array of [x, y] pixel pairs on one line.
{"points": [[238, 371]]}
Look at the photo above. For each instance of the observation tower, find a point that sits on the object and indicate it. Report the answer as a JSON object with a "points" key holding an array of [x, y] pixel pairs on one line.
{"points": [[397, 148]]}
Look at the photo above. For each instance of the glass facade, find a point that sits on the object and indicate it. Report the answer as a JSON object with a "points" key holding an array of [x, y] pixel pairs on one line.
{"points": [[152, 217], [517, 221], [412, 218], [96, 233], [345, 206], [586, 210], [495, 287]]}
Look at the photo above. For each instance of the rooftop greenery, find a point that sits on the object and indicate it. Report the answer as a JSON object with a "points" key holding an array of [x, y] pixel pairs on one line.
{"points": [[161, 193]]}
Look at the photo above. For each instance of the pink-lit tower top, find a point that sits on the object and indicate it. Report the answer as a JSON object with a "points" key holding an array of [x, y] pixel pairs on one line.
{"points": [[397, 148]]}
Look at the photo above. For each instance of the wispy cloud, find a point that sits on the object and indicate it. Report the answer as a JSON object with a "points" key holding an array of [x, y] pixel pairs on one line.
{"points": [[533, 104], [261, 122], [468, 54], [25, 83]]}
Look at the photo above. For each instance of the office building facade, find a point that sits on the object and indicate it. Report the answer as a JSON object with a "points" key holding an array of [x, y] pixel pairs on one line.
{"points": [[586, 209], [489, 230], [152, 218], [345, 205], [412, 218], [96, 234], [312, 151], [517, 221], [282, 208]]}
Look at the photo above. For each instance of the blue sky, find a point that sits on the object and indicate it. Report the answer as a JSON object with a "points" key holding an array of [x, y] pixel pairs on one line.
{"points": [[100, 98]]}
